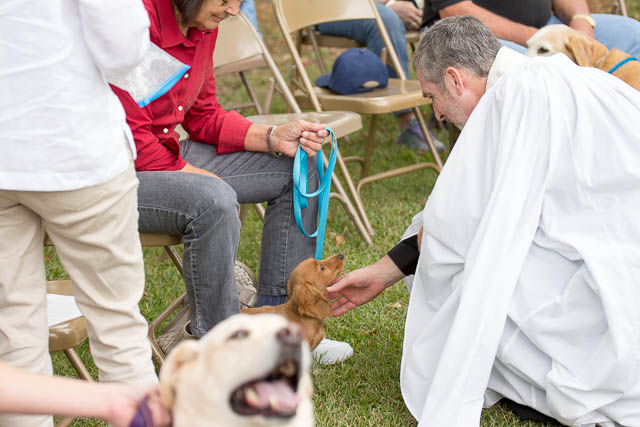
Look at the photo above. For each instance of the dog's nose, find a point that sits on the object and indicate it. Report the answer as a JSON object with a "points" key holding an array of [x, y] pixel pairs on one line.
{"points": [[290, 334], [340, 256]]}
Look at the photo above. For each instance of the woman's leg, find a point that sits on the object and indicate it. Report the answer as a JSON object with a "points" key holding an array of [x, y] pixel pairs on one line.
{"points": [[204, 211]]}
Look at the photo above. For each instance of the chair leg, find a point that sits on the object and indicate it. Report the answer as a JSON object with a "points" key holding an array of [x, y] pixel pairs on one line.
{"points": [[251, 92], [423, 128], [77, 364], [341, 195], [354, 195], [371, 140], [154, 326]]}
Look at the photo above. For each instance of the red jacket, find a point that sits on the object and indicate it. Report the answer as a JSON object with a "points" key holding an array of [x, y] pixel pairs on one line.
{"points": [[191, 102]]}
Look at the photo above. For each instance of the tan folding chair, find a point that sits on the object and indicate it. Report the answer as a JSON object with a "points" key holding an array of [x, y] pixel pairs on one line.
{"points": [[238, 42], [616, 7], [400, 94]]}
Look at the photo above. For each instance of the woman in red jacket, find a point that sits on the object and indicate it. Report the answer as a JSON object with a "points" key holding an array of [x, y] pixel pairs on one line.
{"points": [[193, 187]]}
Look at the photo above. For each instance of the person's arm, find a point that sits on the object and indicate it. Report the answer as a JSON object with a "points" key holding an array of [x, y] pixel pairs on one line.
{"points": [[503, 28], [117, 33], [566, 10], [27, 393]]}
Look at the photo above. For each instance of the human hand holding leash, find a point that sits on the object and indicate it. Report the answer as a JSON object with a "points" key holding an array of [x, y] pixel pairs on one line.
{"points": [[310, 136], [360, 286]]}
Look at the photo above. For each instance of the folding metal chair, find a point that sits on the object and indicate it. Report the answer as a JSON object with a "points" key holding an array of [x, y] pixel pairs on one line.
{"points": [[616, 7], [400, 94], [238, 43]]}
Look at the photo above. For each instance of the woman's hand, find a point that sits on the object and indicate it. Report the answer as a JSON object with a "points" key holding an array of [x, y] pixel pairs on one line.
{"points": [[286, 138]]}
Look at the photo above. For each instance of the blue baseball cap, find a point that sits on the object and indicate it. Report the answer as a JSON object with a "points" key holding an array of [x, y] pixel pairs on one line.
{"points": [[356, 70]]}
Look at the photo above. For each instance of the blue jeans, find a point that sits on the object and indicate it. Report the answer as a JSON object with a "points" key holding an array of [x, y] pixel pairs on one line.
{"points": [[204, 211], [613, 31], [365, 32]]}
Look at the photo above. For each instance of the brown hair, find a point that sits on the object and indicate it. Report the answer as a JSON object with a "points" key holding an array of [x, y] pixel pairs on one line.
{"points": [[188, 9]]}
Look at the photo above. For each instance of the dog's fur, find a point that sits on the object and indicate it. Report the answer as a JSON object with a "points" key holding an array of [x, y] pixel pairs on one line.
{"points": [[583, 50], [247, 371], [307, 304]]}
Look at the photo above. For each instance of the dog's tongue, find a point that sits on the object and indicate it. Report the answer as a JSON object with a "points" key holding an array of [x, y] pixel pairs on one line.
{"points": [[277, 394]]}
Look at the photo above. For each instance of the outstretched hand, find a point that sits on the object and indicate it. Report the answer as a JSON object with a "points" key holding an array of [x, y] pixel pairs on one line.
{"points": [[310, 136], [361, 286]]}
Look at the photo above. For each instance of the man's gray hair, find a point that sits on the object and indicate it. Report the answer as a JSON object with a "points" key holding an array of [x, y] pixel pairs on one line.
{"points": [[458, 41]]}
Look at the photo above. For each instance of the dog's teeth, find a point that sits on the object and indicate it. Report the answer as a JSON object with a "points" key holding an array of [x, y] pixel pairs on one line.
{"points": [[274, 403], [251, 397]]}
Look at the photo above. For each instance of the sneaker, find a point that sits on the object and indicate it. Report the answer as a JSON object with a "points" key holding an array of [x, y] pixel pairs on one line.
{"points": [[176, 331], [411, 137], [246, 285], [329, 352]]}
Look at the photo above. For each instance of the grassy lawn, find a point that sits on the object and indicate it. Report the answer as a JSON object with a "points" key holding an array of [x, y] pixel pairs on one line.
{"points": [[364, 390]]}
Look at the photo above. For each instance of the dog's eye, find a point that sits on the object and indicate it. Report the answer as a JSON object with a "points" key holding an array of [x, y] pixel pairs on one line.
{"points": [[542, 50], [242, 333], [321, 267]]}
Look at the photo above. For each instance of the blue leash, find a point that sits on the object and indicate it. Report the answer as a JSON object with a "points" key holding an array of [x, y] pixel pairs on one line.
{"points": [[300, 195], [620, 64]]}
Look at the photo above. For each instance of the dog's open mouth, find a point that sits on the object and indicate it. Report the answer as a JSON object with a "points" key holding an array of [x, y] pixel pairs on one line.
{"points": [[275, 395]]}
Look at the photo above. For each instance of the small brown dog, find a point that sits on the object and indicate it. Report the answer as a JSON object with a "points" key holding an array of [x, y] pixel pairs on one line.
{"points": [[584, 51], [307, 304]]}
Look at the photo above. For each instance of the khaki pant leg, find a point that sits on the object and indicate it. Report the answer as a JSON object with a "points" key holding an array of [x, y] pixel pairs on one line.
{"points": [[24, 335], [95, 232]]}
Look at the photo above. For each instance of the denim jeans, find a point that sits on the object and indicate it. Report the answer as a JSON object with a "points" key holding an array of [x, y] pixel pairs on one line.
{"points": [[365, 32], [204, 211], [613, 31], [248, 7]]}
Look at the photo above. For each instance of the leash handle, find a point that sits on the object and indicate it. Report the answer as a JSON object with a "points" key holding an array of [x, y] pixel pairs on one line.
{"points": [[300, 195]]}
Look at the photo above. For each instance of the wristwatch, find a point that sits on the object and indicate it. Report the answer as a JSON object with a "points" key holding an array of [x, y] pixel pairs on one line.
{"points": [[587, 18]]}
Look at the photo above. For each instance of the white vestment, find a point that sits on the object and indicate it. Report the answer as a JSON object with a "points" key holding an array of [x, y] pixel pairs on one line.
{"points": [[528, 282]]}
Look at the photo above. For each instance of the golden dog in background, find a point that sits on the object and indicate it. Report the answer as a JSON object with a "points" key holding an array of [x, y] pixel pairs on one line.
{"points": [[584, 51], [307, 304]]}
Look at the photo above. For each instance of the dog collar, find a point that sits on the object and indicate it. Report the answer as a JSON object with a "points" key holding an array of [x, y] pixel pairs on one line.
{"points": [[621, 63]]}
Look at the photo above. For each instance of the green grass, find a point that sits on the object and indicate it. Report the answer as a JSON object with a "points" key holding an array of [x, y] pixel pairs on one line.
{"points": [[364, 390]]}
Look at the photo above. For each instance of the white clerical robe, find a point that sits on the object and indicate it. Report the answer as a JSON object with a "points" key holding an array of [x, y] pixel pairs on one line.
{"points": [[528, 282]]}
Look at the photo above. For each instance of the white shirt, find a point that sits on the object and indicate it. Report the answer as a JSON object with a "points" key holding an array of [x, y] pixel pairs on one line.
{"points": [[62, 126]]}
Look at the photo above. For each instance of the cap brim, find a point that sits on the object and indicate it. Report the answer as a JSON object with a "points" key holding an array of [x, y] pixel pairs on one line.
{"points": [[323, 80]]}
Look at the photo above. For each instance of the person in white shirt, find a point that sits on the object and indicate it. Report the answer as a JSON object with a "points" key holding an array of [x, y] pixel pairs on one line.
{"points": [[66, 168], [526, 284]]}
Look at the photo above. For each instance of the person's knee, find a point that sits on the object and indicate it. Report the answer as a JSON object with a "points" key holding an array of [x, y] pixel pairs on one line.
{"points": [[394, 25], [217, 206]]}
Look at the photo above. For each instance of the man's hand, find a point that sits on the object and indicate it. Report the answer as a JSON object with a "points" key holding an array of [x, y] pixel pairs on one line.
{"points": [[361, 286], [192, 169], [286, 138], [410, 15]]}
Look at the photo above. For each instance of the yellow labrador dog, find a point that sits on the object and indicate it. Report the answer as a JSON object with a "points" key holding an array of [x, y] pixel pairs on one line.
{"points": [[247, 371], [583, 50]]}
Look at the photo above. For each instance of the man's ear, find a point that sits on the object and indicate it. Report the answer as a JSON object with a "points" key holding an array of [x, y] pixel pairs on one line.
{"points": [[454, 80], [184, 353]]}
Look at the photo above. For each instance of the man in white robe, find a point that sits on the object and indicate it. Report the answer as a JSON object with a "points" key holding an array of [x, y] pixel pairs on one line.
{"points": [[527, 284]]}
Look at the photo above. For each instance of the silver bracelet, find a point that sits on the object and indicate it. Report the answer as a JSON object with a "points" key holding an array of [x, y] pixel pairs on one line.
{"points": [[269, 145]]}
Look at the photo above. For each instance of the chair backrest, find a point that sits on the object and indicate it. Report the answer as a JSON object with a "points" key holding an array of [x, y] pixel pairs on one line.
{"points": [[239, 42], [293, 15]]}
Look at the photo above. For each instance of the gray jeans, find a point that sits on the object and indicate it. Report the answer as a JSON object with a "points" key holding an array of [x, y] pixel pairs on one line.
{"points": [[204, 211]]}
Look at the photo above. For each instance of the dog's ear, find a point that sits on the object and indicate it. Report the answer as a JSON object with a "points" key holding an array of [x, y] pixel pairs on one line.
{"points": [[586, 51], [309, 301], [184, 353]]}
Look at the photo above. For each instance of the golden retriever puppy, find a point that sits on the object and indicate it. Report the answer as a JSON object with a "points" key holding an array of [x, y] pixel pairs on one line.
{"points": [[247, 371], [584, 51], [307, 304]]}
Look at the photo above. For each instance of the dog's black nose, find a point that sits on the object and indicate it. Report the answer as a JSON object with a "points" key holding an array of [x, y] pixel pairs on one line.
{"points": [[340, 256], [291, 334]]}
